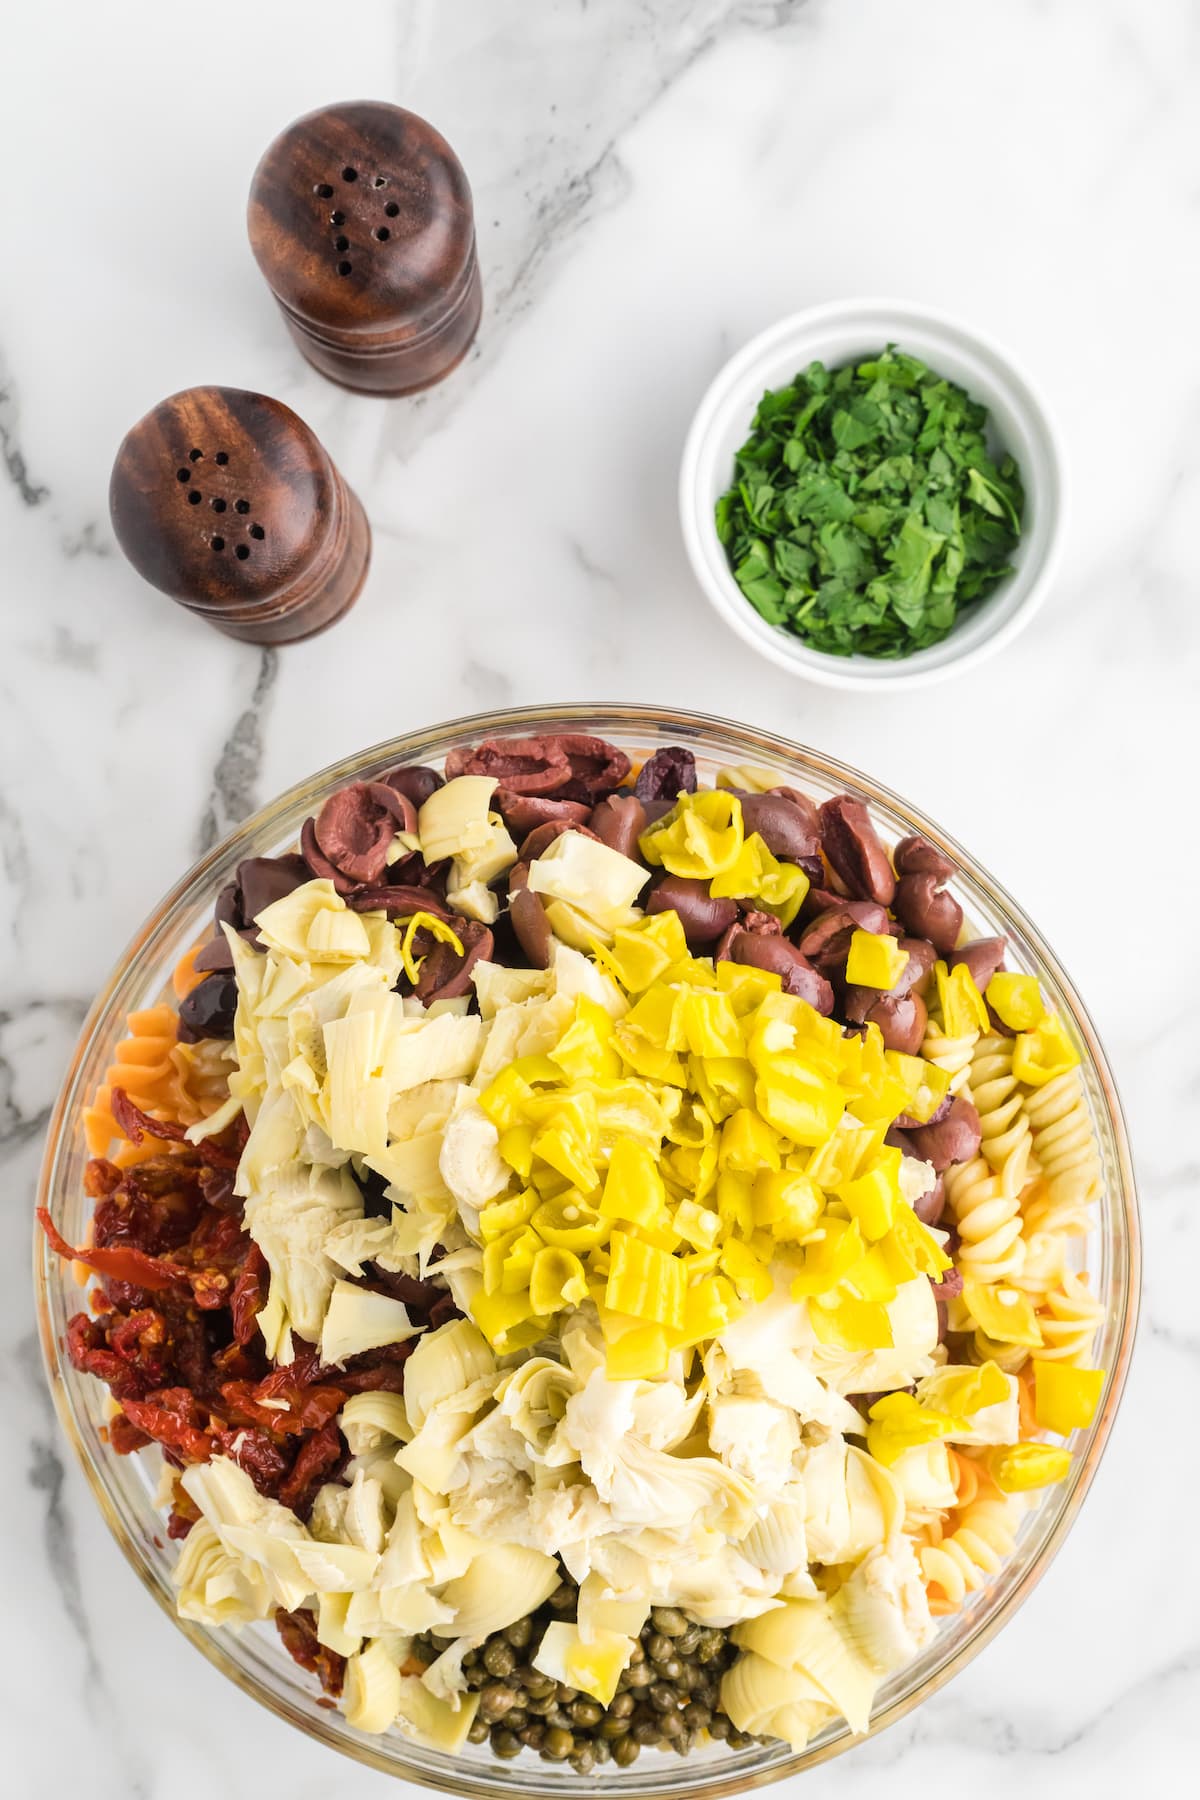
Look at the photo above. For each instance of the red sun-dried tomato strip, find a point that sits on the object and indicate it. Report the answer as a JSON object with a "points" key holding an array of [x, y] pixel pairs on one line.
{"points": [[120, 1262], [304, 1408], [249, 1296], [138, 1125], [173, 1418], [316, 1459], [299, 1633]]}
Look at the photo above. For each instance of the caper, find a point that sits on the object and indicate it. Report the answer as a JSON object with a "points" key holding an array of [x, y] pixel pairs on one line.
{"points": [[566, 1694], [505, 1744], [601, 1749], [637, 1654], [564, 1597], [479, 1732], [647, 1732], [658, 1647], [683, 1743], [671, 1725], [517, 1719], [663, 1697], [499, 1658], [685, 1643], [537, 1685], [696, 1717], [626, 1750], [583, 1759], [641, 1676], [495, 1700], [519, 1633], [558, 1744], [533, 1735], [719, 1727], [670, 1668], [614, 1727], [586, 1712], [541, 1704], [669, 1620], [621, 1706]]}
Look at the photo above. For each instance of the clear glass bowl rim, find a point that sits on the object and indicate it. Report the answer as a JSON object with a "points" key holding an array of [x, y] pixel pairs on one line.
{"points": [[393, 1756]]}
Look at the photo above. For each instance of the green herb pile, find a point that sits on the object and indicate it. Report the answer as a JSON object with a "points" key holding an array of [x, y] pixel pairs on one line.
{"points": [[865, 511]]}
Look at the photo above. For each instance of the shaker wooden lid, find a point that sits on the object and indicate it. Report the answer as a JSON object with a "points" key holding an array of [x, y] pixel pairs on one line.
{"points": [[360, 218], [220, 493]]}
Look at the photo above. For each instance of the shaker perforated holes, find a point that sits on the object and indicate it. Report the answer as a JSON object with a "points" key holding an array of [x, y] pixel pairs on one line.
{"points": [[218, 543], [242, 552], [256, 531], [194, 497], [392, 209], [218, 505], [242, 506], [344, 268], [221, 457], [349, 174], [341, 243], [183, 474], [382, 233], [324, 190]]}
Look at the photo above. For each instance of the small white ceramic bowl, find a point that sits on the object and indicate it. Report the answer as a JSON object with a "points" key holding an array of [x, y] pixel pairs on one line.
{"points": [[839, 333]]}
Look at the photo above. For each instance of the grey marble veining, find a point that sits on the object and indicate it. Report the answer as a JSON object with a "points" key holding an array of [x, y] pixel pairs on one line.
{"points": [[654, 183]]}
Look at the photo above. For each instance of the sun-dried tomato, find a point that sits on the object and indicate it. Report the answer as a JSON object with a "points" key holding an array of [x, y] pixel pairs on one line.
{"points": [[302, 1409], [323, 1453], [124, 1436], [174, 1418], [299, 1633], [264, 1461], [249, 1295], [138, 1125]]}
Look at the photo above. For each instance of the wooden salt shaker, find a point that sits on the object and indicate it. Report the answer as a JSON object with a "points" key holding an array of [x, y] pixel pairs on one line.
{"points": [[360, 219], [227, 501]]}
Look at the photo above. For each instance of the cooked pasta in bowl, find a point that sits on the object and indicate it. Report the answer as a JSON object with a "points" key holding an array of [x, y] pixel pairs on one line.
{"points": [[588, 1246]]}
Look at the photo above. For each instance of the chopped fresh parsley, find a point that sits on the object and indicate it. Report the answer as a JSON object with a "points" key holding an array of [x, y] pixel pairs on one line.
{"points": [[865, 512]]}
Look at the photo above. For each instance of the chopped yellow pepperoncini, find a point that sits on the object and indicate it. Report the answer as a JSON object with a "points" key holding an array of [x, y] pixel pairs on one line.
{"points": [[747, 1271], [1064, 1398], [585, 1052], [875, 960], [1004, 1314], [924, 1083], [501, 1216], [962, 1005], [898, 1423], [849, 1324], [787, 1202], [645, 1282], [570, 1222], [970, 1390], [556, 1280], [833, 1251], [633, 1188], [775, 887], [700, 837], [1017, 1467], [1016, 999], [437, 928], [873, 1197], [1043, 1053], [748, 1144]]}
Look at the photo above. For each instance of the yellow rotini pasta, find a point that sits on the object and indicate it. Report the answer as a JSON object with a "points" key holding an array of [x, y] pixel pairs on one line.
{"points": [[988, 1220], [1007, 1137], [1045, 1261], [1064, 1145], [144, 1067], [1069, 1319], [963, 1562]]}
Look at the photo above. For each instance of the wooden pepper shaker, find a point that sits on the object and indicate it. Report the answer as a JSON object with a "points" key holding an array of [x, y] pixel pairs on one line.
{"points": [[360, 219], [227, 501]]}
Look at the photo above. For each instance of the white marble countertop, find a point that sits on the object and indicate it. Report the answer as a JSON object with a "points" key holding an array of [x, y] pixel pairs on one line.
{"points": [[654, 183]]}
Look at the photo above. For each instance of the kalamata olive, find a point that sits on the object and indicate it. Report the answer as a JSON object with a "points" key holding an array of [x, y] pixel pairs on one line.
{"points": [[523, 813], [416, 784], [901, 1018], [259, 881], [781, 825], [703, 918], [657, 809], [445, 975], [944, 1290], [207, 1012], [531, 924], [826, 940], [397, 901], [216, 955], [915, 855], [982, 957], [855, 850], [953, 1139], [927, 910], [619, 821], [762, 948], [670, 772]]}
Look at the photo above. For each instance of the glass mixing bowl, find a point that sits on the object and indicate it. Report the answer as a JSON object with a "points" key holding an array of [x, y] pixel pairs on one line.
{"points": [[123, 1486]]}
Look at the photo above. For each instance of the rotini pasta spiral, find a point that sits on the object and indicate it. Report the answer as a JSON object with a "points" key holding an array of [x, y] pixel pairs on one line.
{"points": [[145, 1068], [1007, 1137], [1045, 1261], [989, 1223], [1009, 1357], [962, 1562], [950, 1053], [1069, 1319], [1066, 1151]]}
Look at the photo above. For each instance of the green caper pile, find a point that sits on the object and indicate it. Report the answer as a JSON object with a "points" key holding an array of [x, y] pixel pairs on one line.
{"points": [[668, 1697]]}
